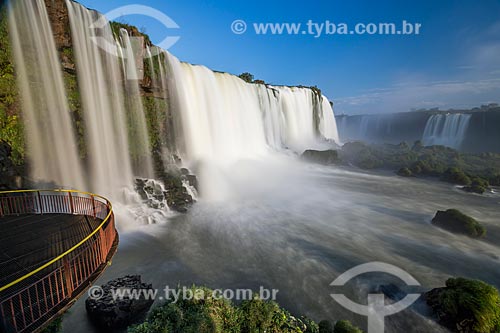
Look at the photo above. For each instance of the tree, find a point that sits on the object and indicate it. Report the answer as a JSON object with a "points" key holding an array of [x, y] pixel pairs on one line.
{"points": [[247, 77]]}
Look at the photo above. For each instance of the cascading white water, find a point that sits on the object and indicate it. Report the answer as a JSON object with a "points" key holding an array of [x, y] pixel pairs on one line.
{"points": [[101, 93], [299, 106], [328, 124], [226, 119], [137, 120], [446, 130], [52, 146]]}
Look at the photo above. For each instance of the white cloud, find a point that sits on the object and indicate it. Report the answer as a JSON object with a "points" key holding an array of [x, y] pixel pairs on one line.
{"points": [[404, 97]]}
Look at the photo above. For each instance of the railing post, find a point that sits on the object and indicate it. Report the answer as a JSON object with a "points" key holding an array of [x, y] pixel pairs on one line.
{"points": [[40, 202], [103, 244], [93, 205], [71, 203], [67, 276]]}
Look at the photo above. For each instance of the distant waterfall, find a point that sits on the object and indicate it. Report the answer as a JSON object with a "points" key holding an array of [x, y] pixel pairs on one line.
{"points": [[446, 130], [226, 119], [99, 80], [52, 147]]}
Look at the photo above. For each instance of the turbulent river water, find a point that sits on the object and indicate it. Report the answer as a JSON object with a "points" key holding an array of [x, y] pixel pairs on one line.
{"points": [[295, 227]]}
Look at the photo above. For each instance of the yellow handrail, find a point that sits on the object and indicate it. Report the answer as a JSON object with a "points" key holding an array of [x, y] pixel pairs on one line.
{"points": [[67, 251]]}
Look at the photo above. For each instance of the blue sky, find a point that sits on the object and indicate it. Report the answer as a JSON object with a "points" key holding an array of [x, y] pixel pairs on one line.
{"points": [[453, 62]]}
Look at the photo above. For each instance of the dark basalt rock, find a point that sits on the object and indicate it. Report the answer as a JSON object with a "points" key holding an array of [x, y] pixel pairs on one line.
{"points": [[108, 313], [321, 156], [455, 221], [175, 194]]}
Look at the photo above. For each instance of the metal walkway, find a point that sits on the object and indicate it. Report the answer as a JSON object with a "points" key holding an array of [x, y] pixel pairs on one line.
{"points": [[53, 245]]}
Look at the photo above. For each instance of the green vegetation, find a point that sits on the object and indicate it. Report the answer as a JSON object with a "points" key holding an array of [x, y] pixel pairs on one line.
{"points": [[247, 77], [156, 119], [405, 172], [456, 176], [153, 73], [475, 171], [11, 127], [55, 326], [467, 306], [455, 221], [204, 314], [132, 30], [477, 185], [344, 326], [75, 107]]}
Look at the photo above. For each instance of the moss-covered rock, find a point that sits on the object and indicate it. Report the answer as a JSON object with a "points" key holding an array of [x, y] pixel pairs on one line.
{"points": [[478, 185], [466, 305], [344, 326], [325, 326], [321, 156], [405, 172], [455, 221]]}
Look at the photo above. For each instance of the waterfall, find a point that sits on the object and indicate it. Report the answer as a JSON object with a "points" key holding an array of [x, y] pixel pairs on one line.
{"points": [[101, 94], [50, 135], [226, 119], [209, 118], [140, 146], [328, 124], [446, 130]]}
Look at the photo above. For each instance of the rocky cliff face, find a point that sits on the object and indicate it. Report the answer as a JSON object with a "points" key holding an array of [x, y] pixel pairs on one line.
{"points": [[160, 123], [59, 20]]}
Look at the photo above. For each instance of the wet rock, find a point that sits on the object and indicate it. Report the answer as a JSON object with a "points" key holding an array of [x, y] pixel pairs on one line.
{"points": [[321, 156], [109, 313], [457, 222], [168, 190], [192, 181]]}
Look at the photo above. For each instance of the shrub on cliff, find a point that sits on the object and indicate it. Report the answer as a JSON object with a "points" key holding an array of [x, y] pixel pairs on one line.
{"points": [[455, 221], [466, 305]]}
